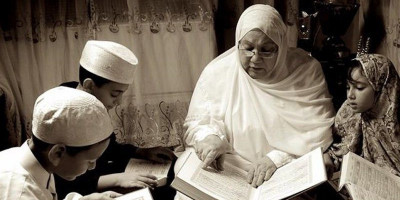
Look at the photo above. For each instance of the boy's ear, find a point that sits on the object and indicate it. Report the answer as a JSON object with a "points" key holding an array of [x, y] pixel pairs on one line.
{"points": [[88, 85], [56, 153]]}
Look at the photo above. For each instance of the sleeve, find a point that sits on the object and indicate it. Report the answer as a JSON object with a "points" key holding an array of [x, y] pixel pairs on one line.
{"points": [[115, 158], [280, 158], [347, 129], [205, 114], [84, 184]]}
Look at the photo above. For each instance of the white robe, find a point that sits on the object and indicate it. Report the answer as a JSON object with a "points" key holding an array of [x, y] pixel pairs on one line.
{"points": [[292, 116], [22, 177]]}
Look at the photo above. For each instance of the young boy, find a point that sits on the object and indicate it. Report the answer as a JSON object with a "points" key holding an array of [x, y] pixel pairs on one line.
{"points": [[106, 71], [71, 129]]}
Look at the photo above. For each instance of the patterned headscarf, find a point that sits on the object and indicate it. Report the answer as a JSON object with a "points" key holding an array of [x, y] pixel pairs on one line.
{"points": [[374, 133]]}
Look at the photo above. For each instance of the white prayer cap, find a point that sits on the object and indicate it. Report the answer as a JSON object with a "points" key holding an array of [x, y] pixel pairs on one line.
{"points": [[109, 60], [69, 116]]}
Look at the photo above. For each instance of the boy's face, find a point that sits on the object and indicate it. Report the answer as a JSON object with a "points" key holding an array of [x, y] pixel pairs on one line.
{"points": [[110, 94], [70, 166], [360, 94]]}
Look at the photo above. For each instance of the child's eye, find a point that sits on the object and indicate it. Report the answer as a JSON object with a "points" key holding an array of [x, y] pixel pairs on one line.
{"points": [[360, 87]]}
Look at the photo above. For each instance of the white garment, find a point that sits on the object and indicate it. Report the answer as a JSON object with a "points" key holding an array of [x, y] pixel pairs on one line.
{"points": [[292, 116], [22, 176]]}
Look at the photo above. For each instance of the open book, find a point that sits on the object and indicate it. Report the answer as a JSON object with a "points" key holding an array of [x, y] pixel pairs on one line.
{"points": [[142, 194], [140, 166], [230, 184], [365, 180]]}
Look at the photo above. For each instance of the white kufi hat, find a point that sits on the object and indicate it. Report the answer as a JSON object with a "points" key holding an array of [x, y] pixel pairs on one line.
{"points": [[69, 116], [109, 60]]}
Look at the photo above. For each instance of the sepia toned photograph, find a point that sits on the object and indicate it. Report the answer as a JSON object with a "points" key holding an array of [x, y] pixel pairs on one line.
{"points": [[199, 99]]}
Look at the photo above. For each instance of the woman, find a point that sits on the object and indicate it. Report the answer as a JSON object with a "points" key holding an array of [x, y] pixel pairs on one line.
{"points": [[367, 123], [260, 99]]}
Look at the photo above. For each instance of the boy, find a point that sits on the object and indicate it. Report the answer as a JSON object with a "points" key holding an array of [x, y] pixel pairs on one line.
{"points": [[106, 71], [71, 129]]}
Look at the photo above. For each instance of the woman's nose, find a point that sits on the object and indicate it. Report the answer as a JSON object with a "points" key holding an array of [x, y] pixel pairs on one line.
{"points": [[256, 57]]}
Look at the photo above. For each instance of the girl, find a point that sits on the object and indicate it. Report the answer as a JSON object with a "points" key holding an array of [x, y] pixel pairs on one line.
{"points": [[367, 122]]}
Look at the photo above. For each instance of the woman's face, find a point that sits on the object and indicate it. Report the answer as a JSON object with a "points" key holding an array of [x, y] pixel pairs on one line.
{"points": [[360, 94], [258, 54]]}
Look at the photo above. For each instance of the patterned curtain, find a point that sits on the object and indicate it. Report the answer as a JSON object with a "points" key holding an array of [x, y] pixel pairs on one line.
{"points": [[173, 39]]}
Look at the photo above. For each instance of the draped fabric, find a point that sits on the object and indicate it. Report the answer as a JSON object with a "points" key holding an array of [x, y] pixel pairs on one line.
{"points": [[374, 134], [389, 17], [42, 41], [293, 115]]}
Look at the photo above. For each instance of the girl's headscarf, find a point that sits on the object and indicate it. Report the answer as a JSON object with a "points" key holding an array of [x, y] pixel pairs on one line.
{"points": [[375, 133]]}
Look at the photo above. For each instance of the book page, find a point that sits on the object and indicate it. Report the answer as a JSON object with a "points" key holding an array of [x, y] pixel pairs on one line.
{"points": [[140, 166], [142, 194], [231, 184], [359, 193], [371, 178], [228, 184], [299, 175], [198, 183]]}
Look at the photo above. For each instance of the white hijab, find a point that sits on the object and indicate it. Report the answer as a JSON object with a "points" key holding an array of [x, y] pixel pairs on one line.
{"points": [[293, 115]]}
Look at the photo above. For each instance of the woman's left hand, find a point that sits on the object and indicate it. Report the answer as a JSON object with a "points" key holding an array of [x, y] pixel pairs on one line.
{"points": [[261, 171]]}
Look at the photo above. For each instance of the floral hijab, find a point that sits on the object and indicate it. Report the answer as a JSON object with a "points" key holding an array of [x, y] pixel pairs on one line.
{"points": [[374, 134]]}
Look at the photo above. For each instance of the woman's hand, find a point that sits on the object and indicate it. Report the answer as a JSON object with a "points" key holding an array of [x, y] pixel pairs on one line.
{"points": [[261, 171], [156, 154], [211, 151], [127, 180], [103, 196]]}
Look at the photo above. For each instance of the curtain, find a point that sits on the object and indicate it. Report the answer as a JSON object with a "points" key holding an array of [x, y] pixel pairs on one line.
{"points": [[390, 45], [386, 13], [173, 40]]}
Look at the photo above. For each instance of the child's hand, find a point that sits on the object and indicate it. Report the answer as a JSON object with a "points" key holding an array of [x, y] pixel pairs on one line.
{"points": [[340, 149], [104, 195], [156, 154], [134, 180], [330, 167]]}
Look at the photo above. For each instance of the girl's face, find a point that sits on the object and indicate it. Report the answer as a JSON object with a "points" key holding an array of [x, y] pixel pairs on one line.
{"points": [[360, 94]]}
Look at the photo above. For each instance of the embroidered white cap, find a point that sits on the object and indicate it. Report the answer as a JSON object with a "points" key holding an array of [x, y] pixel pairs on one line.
{"points": [[69, 116], [109, 60]]}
